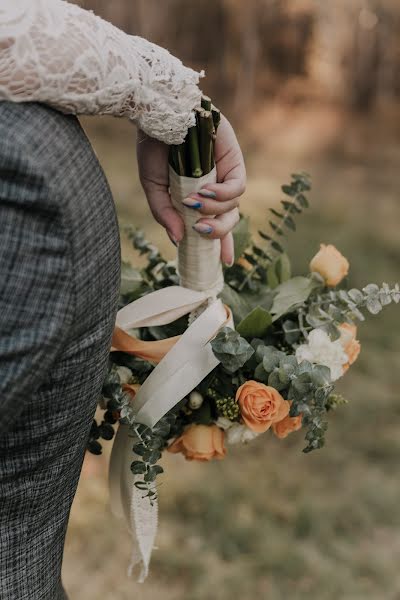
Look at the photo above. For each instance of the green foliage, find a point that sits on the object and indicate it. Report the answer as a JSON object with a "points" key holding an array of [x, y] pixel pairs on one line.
{"points": [[241, 236], [255, 324], [332, 308], [148, 447], [131, 280], [282, 221], [279, 272], [291, 294], [202, 415], [308, 387], [231, 349]]}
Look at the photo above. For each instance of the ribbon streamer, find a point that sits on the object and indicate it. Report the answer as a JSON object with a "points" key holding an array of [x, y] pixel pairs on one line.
{"points": [[188, 360]]}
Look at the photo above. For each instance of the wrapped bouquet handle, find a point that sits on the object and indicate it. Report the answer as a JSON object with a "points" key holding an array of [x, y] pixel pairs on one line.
{"points": [[199, 264], [189, 358]]}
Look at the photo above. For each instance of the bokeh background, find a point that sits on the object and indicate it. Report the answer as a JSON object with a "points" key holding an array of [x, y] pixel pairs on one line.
{"points": [[309, 85]]}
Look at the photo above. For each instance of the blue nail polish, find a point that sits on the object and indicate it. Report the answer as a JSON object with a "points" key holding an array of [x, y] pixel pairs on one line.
{"points": [[202, 228], [196, 205], [208, 194]]}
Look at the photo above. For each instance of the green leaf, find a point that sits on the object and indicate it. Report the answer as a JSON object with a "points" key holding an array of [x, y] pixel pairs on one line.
{"points": [[236, 302], [291, 294], [288, 190], [289, 222], [264, 236], [255, 324], [283, 268], [131, 279], [272, 277], [276, 246], [302, 200], [231, 349], [241, 237], [275, 381], [202, 416], [138, 467]]}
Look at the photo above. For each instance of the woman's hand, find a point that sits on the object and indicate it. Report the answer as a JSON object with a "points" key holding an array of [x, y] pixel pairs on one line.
{"points": [[220, 199]]}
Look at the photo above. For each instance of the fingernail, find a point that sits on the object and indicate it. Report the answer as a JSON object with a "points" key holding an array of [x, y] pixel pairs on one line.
{"points": [[192, 203], [208, 194], [229, 263], [173, 239], [202, 228]]}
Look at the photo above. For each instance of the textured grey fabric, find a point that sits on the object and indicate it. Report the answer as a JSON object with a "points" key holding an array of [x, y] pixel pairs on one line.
{"points": [[59, 280]]}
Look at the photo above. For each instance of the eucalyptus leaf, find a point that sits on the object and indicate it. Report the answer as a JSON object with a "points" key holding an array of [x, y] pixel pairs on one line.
{"points": [[255, 324], [236, 302], [241, 237], [291, 294], [131, 279], [231, 349]]}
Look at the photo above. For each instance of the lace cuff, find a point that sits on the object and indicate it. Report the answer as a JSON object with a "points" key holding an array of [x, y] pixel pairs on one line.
{"points": [[57, 53]]}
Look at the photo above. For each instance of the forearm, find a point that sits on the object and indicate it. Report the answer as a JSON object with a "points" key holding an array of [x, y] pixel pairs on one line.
{"points": [[57, 53]]}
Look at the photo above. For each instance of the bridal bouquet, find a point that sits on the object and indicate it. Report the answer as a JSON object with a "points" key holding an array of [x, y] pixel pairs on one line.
{"points": [[259, 353]]}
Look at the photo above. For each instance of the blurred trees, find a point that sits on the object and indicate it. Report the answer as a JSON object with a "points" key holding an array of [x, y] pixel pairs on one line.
{"points": [[346, 51]]}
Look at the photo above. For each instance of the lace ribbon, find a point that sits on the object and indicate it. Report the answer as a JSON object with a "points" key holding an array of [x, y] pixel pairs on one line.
{"points": [[188, 361]]}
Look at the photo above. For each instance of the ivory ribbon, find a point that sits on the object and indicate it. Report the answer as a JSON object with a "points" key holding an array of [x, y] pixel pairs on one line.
{"points": [[188, 361]]}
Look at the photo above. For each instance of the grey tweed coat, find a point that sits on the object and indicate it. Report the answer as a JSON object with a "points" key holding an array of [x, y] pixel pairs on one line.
{"points": [[59, 280]]}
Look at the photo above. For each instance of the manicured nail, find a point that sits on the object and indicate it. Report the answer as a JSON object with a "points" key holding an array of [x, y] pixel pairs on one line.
{"points": [[230, 263], [173, 239], [192, 203], [202, 228], [208, 194]]}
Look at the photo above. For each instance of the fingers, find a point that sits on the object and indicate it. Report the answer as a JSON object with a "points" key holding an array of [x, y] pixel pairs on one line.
{"points": [[218, 227], [232, 187], [164, 213], [227, 250], [207, 206], [152, 157]]}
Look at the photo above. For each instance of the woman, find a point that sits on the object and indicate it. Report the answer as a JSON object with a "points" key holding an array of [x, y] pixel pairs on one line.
{"points": [[59, 251]]}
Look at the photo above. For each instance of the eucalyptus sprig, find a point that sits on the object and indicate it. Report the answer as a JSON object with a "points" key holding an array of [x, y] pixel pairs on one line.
{"points": [[308, 387], [261, 258], [331, 309]]}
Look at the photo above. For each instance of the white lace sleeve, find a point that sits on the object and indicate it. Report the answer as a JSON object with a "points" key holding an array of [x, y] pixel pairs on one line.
{"points": [[60, 54]]}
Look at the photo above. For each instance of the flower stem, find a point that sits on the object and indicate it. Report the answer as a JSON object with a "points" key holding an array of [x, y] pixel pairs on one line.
{"points": [[194, 153]]}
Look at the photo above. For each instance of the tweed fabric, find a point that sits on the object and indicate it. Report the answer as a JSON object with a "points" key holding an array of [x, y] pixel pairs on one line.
{"points": [[59, 280]]}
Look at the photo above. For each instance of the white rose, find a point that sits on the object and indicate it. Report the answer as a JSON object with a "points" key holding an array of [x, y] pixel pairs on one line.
{"points": [[320, 350], [224, 423], [239, 434]]}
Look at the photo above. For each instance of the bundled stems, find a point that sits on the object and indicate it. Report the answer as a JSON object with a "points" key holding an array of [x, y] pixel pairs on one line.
{"points": [[195, 157]]}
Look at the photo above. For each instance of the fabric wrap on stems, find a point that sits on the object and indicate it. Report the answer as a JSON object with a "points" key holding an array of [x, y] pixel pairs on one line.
{"points": [[187, 362]]}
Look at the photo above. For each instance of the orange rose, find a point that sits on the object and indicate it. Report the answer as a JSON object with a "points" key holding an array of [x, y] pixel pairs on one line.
{"points": [[260, 405], [287, 425], [330, 264], [351, 346], [200, 442], [131, 388]]}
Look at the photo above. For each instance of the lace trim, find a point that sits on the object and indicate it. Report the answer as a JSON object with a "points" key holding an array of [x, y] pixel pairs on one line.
{"points": [[57, 53]]}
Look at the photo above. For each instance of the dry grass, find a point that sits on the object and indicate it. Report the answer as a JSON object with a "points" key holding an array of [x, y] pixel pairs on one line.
{"points": [[270, 521]]}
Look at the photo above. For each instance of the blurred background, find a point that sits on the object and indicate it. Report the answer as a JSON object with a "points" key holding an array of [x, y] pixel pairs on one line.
{"points": [[309, 85]]}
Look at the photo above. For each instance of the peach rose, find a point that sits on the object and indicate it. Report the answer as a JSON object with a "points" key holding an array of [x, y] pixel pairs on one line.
{"points": [[260, 405], [131, 388], [200, 442], [287, 425], [350, 344], [330, 264]]}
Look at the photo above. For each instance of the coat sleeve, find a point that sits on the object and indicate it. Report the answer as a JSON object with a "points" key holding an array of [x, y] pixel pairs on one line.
{"points": [[57, 53]]}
